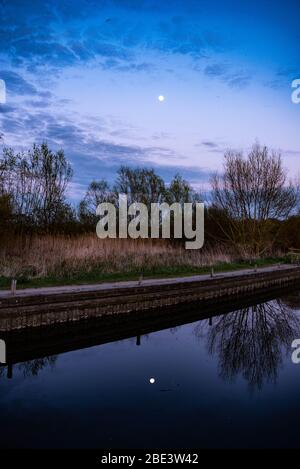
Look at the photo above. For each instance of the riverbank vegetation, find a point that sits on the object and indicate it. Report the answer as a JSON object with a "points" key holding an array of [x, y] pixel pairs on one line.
{"points": [[251, 217], [63, 259]]}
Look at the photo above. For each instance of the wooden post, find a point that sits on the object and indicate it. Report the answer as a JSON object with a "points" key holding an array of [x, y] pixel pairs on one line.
{"points": [[141, 279], [255, 268], [212, 272], [13, 287], [138, 340]]}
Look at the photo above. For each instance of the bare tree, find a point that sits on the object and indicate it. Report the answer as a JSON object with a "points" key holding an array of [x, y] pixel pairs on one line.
{"points": [[36, 182], [140, 185], [97, 193], [180, 191], [252, 192]]}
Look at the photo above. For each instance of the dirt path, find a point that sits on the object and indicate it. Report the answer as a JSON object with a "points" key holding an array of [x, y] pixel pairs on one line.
{"points": [[136, 283]]}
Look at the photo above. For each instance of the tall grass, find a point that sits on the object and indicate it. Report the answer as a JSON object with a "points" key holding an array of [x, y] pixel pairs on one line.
{"points": [[67, 257]]}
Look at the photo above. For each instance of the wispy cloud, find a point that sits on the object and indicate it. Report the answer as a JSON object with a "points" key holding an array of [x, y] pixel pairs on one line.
{"points": [[127, 52], [17, 84], [209, 144], [228, 74]]}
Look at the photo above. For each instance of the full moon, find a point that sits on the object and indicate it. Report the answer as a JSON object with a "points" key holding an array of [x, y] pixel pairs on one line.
{"points": [[161, 98], [152, 380]]}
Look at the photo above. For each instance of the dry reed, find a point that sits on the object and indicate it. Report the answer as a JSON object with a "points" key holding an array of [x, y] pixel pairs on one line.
{"points": [[65, 257]]}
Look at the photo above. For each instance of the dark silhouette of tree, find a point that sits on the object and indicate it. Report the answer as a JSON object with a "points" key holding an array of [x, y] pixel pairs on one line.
{"points": [[180, 191], [36, 182], [140, 185], [97, 193], [251, 192]]}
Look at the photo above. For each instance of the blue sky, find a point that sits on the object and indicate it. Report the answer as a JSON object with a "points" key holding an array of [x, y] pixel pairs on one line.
{"points": [[85, 75]]}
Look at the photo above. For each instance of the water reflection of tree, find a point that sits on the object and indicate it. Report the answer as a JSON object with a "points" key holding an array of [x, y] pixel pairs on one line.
{"points": [[251, 341], [33, 367], [30, 367]]}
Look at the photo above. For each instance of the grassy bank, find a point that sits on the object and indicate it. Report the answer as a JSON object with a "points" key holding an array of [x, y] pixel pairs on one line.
{"points": [[60, 260]]}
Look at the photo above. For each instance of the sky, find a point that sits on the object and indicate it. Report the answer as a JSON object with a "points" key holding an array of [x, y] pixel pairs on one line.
{"points": [[85, 76]]}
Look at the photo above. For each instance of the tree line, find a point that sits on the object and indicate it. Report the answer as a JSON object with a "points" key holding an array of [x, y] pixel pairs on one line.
{"points": [[252, 205]]}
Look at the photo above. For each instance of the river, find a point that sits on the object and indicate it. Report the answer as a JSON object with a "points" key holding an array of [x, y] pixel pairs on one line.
{"points": [[224, 381]]}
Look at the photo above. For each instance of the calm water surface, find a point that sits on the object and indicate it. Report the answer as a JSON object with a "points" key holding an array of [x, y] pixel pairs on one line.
{"points": [[225, 382]]}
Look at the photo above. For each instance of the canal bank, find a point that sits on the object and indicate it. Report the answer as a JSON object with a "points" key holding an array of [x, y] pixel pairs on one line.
{"points": [[39, 342], [53, 305]]}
